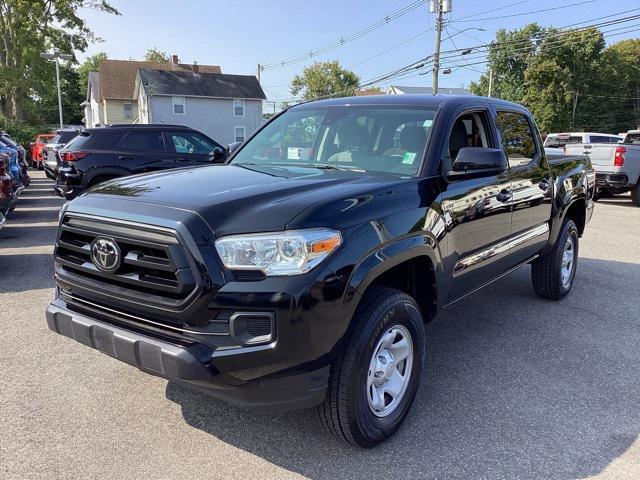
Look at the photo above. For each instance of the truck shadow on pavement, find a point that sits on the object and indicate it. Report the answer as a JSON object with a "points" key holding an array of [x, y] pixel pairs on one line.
{"points": [[514, 387]]}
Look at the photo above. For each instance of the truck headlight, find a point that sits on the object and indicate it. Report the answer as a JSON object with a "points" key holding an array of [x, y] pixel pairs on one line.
{"points": [[290, 252]]}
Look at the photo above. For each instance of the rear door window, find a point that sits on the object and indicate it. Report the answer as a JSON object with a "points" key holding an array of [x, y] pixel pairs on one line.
{"points": [[142, 141], [518, 139]]}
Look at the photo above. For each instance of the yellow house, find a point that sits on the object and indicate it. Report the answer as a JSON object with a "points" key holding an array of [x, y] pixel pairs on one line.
{"points": [[117, 81]]}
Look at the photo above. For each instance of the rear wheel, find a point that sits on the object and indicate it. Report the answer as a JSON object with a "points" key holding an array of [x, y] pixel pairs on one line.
{"points": [[374, 381], [553, 273], [635, 195]]}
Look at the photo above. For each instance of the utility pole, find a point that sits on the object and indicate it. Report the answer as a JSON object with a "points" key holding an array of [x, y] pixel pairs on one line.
{"points": [[259, 70], [573, 113], [490, 82], [56, 56], [439, 7]]}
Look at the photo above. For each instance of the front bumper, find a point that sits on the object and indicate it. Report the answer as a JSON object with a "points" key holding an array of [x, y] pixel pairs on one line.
{"points": [[190, 363]]}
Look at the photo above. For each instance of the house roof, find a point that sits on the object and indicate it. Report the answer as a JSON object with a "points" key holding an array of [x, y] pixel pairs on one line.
{"points": [[398, 89], [367, 93], [218, 85], [94, 86], [118, 77]]}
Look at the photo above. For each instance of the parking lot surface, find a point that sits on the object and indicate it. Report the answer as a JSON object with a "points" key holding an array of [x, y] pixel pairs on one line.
{"points": [[514, 386]]}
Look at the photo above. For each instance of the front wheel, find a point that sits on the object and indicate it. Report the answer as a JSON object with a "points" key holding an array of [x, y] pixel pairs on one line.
{"points": [[553, 274], [375, 379]]}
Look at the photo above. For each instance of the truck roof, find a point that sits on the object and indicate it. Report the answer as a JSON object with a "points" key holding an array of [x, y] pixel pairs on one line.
{"points": [[416, 100]]}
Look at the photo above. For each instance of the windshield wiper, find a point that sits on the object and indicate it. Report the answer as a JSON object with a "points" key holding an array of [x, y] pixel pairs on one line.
{"points": [[328, 166]]}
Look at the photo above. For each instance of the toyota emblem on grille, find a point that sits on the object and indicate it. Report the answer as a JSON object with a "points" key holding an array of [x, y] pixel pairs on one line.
{"points": [[105, 254]]}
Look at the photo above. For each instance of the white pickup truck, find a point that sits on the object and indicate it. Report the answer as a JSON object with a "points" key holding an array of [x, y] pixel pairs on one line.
{"points": [[554, 143], [617, 166]]}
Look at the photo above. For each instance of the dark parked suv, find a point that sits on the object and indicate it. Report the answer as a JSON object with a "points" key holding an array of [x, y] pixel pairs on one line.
{"points": [[100, 154]]}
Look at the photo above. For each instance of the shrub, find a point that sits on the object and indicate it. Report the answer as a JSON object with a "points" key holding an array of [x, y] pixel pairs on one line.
{"points": [[23, 133]]}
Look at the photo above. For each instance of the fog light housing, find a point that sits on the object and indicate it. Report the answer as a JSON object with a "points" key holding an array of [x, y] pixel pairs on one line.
{"points": [[253, 328]]}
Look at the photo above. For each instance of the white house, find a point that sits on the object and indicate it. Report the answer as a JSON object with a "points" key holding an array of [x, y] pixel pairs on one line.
{"points": [[225, 107], [93, 108]]}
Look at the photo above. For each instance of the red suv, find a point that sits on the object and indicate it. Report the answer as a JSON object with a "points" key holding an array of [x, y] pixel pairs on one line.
{"points": [[37, 149]]}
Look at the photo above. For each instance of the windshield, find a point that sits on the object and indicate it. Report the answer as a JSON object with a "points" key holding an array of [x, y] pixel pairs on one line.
{"points": [[559, 142], [373, 138]]}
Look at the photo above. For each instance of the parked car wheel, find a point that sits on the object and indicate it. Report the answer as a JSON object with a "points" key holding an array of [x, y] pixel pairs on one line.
{"points": [[553, 274], [635, 195], [375, 379]]}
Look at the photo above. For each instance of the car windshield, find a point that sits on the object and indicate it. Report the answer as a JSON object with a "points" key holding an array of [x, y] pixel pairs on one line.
{"points": [[373, 138]]}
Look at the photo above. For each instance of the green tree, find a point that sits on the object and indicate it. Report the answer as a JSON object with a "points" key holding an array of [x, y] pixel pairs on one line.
{"points": [[560, 73], [568, 79], [29, 28], [155, 55], [508, 59], [323, 80], [91, 64]]}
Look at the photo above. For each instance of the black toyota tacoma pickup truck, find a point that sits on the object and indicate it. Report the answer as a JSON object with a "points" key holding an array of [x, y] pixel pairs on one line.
{"points": [[302, 272]]}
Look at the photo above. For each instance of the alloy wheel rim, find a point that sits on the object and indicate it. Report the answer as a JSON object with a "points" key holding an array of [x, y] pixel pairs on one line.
{"points": [[389, 371], [568, 259]]}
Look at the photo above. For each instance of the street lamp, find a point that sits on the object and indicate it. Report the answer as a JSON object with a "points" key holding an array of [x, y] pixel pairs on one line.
{"points": [[56, 56]]}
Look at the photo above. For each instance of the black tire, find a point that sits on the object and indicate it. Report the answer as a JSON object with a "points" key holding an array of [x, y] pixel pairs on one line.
{"points": [[346, 412], [547, 271], [635, 195]]}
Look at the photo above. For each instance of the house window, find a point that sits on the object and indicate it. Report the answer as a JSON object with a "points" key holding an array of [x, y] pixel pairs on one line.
{"points": [[178, 105], [238, 107], [239, 134], [127, 110]]}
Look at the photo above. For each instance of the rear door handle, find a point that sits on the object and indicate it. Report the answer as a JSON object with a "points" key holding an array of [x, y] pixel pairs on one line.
{"points": [[124, 157]]}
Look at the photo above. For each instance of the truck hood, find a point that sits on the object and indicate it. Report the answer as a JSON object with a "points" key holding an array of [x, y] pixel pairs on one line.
{"points": [[241, 199]]}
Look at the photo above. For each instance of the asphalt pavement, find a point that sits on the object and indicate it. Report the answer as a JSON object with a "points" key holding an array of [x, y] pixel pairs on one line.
{"points": [[514, 386]]}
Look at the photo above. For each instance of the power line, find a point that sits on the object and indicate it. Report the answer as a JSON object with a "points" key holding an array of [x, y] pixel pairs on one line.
{"points": [[346, 38], [554, 40], [561, 31], [522, 13], [491, 10], [424, 32], [556, 43]]}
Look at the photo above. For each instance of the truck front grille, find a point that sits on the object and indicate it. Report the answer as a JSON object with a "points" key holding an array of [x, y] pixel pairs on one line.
{"points": [[152, 267]]}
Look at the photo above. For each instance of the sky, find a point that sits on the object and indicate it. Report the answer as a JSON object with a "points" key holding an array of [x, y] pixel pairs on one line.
{"points": [[240, 34]]}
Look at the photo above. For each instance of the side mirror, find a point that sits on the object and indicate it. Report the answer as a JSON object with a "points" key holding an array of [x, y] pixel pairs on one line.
{"points": [[233, 146], [470, 159], [218, 153]]}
